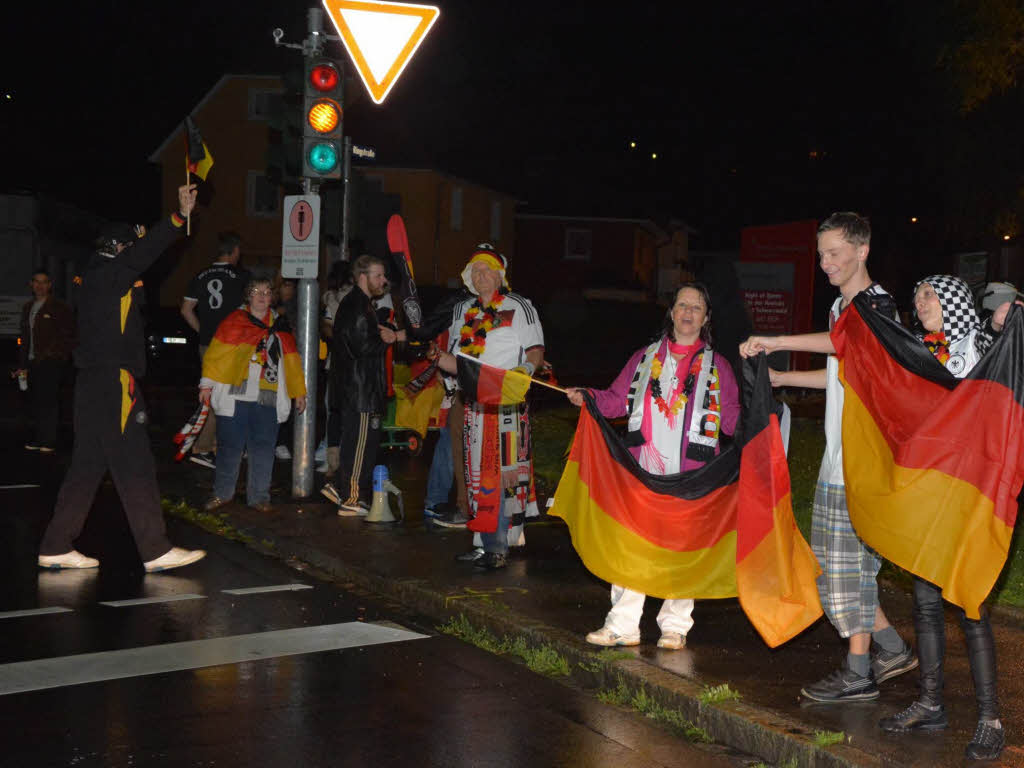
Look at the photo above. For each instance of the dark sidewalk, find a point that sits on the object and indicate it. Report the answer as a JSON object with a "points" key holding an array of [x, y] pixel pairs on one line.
{"points": [[546, 595]]}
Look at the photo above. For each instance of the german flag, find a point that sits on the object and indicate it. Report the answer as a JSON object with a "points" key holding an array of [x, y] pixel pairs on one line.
{"points": [[232, 347], [933, 464], [488, 385], [724, 530], [197, 157]]}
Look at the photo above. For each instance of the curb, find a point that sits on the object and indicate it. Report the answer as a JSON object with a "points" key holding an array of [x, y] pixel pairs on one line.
{"points": [[768, 735]]}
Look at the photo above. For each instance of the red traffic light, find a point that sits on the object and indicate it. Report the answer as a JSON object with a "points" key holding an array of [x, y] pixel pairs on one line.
{"points": [[323, 77]]}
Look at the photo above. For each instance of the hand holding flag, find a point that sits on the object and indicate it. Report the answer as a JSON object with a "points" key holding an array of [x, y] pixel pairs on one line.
{"points": [[198, 159]]}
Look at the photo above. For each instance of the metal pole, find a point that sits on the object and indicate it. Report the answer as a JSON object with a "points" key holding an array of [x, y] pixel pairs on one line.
{"points": [[304, 438], [346, 198]]}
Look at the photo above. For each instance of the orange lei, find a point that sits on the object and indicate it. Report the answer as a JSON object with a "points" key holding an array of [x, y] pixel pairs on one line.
{"points": [[473, 342]]}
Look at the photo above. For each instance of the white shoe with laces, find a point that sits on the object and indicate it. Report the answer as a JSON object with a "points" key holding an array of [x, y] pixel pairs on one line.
{"points": [[672, 640], [608, 638], [175, 557], [72, 559]]}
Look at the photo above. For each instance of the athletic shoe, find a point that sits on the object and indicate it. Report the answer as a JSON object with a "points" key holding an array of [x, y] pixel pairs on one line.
{"points": [[987, 742], [32, 446], [916, 717], [472, 556], [491, 561], [72, 559], [842, 685], [608, 638], [215, 503], [282, 453], [429, 513], [46, 449], [458, 520], [204, 459], [331, 493], [886, 665], [350, 510], [364, 509], [673, 641], [175, 557]]}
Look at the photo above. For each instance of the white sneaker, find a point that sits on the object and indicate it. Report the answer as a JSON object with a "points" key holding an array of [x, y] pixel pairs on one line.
{"points": [[606, 637], [672, 640], [331, 493], [350, 510], [282, 452], [72, 559], [175, 557]]}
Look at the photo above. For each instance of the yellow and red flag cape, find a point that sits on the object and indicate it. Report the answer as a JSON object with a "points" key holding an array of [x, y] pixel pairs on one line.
{"points": [[933, 464], [232, 347], [724, 530]]}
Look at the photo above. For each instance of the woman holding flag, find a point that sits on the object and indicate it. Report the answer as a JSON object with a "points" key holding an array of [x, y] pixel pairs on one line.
{"points": [[251, 374], [948, 325], [680, 397]]}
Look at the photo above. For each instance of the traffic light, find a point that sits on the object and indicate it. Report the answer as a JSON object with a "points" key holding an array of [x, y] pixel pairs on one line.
{"points": [[322, 122]]}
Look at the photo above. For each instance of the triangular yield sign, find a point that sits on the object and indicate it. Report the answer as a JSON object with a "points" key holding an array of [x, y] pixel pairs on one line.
{"points": [[381, 38]]}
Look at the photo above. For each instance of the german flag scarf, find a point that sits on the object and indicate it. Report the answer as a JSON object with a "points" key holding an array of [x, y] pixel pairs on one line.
{"points": [[242, 338], [723, 530], [933, 464]]}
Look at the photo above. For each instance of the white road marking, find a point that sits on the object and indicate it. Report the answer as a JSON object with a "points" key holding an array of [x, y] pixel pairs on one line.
{"points": [[148, 600], [34, 612], [61, 671], [272, 588]]}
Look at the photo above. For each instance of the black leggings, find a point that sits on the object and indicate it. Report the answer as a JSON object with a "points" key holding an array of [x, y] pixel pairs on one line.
{"points": [[930, 625]]}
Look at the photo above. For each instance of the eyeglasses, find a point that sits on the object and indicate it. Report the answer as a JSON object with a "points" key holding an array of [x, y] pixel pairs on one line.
{"points": [[261, 293]]}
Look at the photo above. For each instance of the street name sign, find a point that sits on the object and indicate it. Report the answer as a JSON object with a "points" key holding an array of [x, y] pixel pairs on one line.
{"points": [[300, 240], [381, 38]]}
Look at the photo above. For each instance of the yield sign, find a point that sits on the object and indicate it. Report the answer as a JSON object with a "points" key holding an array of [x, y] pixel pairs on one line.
{"points": [[381, 37]]}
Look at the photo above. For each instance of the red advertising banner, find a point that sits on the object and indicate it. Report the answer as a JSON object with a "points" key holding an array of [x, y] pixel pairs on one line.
{"points": [[776, 272]]}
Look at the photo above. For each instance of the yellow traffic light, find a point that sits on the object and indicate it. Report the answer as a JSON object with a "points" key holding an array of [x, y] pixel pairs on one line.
{"points": [[324, 116]]}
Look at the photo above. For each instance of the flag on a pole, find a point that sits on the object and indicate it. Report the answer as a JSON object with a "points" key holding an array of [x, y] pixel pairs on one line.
{"points": [[488, 385], [723, 530], [199, 159], [933, 464]]}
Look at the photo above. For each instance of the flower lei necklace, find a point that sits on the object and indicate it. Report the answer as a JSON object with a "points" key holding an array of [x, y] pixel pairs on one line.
{"points": [[681, 394], [938, 345], [473, 342]]}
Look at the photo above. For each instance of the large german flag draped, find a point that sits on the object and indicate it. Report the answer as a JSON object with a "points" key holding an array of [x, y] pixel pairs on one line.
{"points": [[724, 530], [933, 464], [232, 347]]}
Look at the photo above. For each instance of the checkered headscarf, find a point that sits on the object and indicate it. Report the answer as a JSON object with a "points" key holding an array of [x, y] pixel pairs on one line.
{"points": [[959, 317]]}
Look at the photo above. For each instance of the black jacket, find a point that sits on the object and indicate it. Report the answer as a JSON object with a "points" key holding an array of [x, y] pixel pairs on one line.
{"points": [[110, 323], [53, 337], [357, 356]]}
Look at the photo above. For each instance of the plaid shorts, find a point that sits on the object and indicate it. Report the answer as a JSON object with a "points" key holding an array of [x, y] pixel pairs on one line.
{"points": [[848, 586]]}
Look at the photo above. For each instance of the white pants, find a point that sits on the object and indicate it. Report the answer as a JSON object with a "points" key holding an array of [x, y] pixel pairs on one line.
{"points": [[628, 606]]}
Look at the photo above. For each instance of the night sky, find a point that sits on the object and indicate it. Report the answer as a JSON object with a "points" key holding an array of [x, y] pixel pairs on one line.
{"points": [[758, 112]]}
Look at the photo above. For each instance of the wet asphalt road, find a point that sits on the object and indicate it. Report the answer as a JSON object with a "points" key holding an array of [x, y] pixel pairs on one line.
{"points": [[424, 701]]}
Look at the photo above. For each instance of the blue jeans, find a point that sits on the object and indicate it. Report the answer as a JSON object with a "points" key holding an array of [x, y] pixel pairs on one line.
{"points": [[497, 542], [441, 476], [252, 428]]}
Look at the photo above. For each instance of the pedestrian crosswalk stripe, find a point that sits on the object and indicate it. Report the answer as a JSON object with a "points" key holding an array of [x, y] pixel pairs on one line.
{"points": [[61, 671], [34, 612], [148, 600], [272, 588]]}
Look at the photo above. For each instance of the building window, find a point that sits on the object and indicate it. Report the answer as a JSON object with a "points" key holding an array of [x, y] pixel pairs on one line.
{"points": [[260, 101], [262, 199], [495, 221], [578, 244], [456, 218]]}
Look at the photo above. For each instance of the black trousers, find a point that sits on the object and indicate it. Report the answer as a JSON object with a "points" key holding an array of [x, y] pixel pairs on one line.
{"points": [[44, 377], [930, 625], [360, 438], [102, 399]]}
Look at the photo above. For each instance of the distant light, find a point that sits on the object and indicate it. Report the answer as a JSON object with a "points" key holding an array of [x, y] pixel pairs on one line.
{"points": [[654, 155], [813, 154], [8, 96], [632, 145], [1006, 237], [913, 219], [174, 340]]}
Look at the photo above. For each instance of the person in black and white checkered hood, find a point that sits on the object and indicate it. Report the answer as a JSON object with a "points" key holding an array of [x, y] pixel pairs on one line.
{"points": [[944, 304]]}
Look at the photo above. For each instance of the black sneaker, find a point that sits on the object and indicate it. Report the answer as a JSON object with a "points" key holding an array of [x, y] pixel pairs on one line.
{"points": [[886, 665], [916, 717], [458, 520], [842, 685], [204, 459], [491, 561], [987, 743], [472, 556]]}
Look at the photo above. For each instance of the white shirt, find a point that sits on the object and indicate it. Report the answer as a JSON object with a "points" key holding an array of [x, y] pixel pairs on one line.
{"points": [[506, 345]]}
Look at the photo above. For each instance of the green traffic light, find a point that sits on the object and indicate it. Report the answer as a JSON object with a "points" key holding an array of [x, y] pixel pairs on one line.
{"points": [[323, 157]]}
